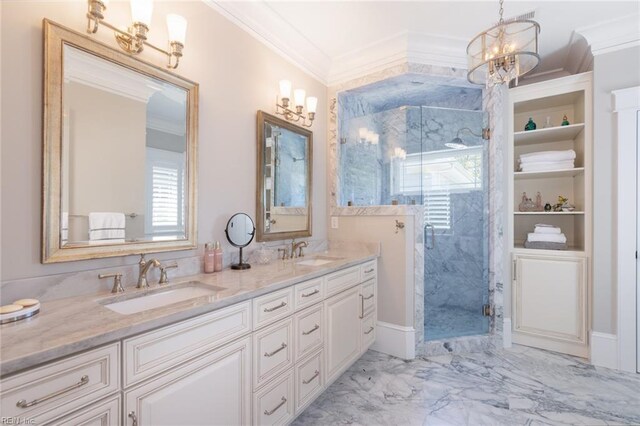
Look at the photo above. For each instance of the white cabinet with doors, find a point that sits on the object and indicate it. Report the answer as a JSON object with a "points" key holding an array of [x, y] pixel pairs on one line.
{"points": [[551, 289]]}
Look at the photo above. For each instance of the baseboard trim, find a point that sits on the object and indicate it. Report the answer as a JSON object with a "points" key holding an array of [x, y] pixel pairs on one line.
{"points": [[604, 350], [395, 340], [506, 333]]}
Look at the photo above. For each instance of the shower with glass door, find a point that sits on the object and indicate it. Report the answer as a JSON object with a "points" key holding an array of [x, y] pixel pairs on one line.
{"points": [[428, 151]]}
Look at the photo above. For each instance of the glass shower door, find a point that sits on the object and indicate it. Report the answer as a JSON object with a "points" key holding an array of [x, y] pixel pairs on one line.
{"points": [[454, 179]]}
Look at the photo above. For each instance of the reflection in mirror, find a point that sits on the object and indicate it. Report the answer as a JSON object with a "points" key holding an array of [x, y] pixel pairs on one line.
{"points": [[284, 179], [124, 154], [240, 232]]}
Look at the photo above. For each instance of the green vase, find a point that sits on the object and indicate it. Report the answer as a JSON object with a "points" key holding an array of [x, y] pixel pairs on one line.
{"points": [[530, 125], [565, 121]]}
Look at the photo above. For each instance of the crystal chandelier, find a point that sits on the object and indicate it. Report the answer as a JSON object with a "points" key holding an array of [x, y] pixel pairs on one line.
{"points": [[504, 52]]}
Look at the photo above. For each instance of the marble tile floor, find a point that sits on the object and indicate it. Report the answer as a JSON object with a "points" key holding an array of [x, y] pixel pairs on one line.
{"points": [[443, 322], [517, 386]]}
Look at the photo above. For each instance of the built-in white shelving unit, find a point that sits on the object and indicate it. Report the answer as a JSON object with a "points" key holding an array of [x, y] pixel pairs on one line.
{"points": [[551, 288]]}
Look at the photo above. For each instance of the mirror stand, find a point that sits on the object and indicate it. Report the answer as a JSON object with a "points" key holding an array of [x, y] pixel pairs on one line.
{"points": [[241, 265], [240, 231]]}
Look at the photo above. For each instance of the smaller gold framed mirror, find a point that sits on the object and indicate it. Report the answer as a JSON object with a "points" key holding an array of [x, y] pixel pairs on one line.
{"points": [[284, 184]]}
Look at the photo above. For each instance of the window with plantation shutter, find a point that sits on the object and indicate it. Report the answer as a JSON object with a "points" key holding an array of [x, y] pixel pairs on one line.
{"points": [[437, 209], [165, 187]]}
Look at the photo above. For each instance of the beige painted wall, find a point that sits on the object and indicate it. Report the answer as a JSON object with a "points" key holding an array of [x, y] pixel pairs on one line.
{"points": [[237, 75], [396, 265], [611, 71]]}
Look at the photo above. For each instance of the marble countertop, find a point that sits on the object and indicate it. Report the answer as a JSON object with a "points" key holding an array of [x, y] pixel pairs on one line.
{"points": [[74, 324]]}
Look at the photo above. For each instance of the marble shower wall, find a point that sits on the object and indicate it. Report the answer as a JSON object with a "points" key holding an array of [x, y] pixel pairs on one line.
{"points": [[490, 101]]}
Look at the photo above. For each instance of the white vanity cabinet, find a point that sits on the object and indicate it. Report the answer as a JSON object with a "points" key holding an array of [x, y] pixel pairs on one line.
{"points": [[214, 389], [260, 362]]}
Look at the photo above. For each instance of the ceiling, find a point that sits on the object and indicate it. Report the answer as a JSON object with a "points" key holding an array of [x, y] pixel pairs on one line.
{"points": [[326, 37]]}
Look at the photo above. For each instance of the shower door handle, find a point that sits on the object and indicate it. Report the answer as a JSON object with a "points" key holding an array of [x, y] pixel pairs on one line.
{"points": [[433, 236]]}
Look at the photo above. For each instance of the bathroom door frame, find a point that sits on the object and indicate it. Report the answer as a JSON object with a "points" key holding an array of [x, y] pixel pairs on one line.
{"points": [[626, 107]]}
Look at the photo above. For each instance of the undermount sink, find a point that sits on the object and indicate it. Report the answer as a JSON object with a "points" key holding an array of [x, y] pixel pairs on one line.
{"points": [[318, 261], [191, 290]]}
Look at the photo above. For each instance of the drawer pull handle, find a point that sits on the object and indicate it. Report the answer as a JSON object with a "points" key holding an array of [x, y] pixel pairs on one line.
{"points": [[134, 418], [315, 327], [369, 297], [316, 291], [270, 354], [361, 307], [369, 331], [282, 402], [282, 305], [368, 271], [316, 374], [24, 404]]}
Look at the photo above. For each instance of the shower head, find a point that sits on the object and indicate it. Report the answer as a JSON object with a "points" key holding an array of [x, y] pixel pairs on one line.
{"points": [[456, 143]]}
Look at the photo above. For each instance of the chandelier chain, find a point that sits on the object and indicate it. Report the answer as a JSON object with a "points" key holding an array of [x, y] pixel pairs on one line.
{"points": [[501, 12]]}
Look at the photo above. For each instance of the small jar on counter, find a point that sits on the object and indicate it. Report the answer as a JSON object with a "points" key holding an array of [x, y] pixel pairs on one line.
{"points": [[217, 256], [209, 258]]}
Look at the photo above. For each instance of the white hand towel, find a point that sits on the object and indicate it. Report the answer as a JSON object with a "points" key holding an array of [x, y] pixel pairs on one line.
{"points": [[546, 165], [546, 229], [548, 238], [548, 156], [106, 226]]}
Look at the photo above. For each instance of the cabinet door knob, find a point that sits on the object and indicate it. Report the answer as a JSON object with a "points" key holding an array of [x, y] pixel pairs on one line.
{"points": [[133, 417]]}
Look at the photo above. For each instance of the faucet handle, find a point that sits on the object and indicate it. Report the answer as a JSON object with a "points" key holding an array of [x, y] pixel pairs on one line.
{"points": [[285, 253], [164, 279], [117, 281]]}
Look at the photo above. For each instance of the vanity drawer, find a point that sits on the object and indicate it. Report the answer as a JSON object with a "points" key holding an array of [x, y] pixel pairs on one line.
{"points": [[368, 270], [159, 350], [272, 351], [273, 404], [309, 330], [309, 380], [342, 280], [368, 294], [368, 331], [105, 413], [308, 293], [272, 307], [58, 388]]}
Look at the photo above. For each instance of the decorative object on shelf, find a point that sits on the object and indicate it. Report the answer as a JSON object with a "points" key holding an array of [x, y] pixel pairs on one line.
{"points": [[531, 125], [134, 39], [563, 205], [503, 52], [547, 123], [547, 207], [539, 206], [565, 120], [299, 95], [527, 205]]}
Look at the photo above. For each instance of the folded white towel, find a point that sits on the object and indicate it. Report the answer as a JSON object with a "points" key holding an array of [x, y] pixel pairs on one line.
{"points": [[106, 226], [546, 165], [548, 238], [534, 157], [546, 229]]}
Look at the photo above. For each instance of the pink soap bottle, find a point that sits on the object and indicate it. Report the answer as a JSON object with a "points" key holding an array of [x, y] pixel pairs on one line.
{"points": [[217, 256], [209, 258]]}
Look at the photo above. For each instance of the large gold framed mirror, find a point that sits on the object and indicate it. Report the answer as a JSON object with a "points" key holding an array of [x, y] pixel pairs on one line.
{"points": [[284, 185], [119, 152]]}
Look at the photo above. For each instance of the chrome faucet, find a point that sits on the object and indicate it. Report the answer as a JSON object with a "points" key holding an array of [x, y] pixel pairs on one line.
{"points": [[298, 246], [144, 267]]}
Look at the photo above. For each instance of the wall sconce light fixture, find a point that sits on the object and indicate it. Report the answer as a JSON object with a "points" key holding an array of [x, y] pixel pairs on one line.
{"points": [[284, 101], [399, 153], [134, 39], [368, 136]]}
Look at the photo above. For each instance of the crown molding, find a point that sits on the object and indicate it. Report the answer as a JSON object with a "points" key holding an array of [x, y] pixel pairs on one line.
{"points": [[268, 27], [612, 35], [265, 25]]}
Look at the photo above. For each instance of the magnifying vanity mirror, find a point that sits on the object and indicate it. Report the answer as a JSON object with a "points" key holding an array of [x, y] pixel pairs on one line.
{"points": [[119, 152], [285, 158], [240, 232]]}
